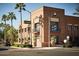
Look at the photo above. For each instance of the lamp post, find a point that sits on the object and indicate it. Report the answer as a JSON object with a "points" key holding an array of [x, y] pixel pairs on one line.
{"points": [[31, 25]]}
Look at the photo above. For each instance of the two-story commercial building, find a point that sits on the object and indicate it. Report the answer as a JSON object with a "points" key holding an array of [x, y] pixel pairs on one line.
{"points": [[50, 26]]}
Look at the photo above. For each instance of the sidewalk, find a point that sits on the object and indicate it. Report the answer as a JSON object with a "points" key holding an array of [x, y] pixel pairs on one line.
{"points": [[35, 48], [40, 48]]}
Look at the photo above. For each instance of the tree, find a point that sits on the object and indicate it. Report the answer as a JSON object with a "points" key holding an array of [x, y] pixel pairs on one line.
{"points": [[1, 31], [12, 34], [21, 7], [4, 18], [77, 11], [1, 35], [11, 17]]}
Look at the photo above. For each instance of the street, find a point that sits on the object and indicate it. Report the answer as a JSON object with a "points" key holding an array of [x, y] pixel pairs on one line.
{"points": [[40, 52]]}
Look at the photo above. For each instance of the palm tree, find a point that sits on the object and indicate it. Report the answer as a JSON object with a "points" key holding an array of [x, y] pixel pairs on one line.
{"points": [[4, 18], [11, 16], [77, 11], [21, 7]]}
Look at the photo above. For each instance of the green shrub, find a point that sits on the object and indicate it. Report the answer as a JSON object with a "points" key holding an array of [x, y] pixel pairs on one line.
{"points": [[23, 45], [17, 45], [29, 46]]}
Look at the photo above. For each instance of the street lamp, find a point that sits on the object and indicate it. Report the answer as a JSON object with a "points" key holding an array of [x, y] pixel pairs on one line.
{"points": [[31, 25]]}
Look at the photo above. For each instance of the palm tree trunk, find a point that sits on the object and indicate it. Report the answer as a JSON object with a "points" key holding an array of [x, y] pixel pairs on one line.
{"points": [[21, 25], [5, 33], [12, 32], [11, 22]]}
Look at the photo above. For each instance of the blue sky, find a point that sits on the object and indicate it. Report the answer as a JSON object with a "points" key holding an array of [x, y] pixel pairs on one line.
{"points": [[8, 7]]}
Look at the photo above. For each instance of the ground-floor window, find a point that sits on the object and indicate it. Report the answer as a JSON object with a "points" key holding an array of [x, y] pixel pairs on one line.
{"points": [[54, 40]]}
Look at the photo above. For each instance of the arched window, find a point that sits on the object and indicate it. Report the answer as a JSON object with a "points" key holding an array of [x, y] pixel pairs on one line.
{"points": [[37, 27]]}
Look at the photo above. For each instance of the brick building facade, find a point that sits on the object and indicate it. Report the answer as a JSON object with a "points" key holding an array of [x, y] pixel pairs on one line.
{"points": [[50, 25]]}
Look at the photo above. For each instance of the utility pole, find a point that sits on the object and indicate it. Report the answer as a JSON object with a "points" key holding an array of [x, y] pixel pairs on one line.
{"points": [[31, 25]]}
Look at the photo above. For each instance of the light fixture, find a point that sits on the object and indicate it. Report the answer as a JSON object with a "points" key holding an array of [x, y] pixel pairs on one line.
{"points": [[54, 14]]}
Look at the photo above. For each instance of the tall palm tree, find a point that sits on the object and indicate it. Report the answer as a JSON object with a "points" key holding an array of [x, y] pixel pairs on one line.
{"points": [[11, 17], [4, 18], [21, 7]]}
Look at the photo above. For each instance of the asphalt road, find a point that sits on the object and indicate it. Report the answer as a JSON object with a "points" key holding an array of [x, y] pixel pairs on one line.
{"points": [[40, 52]]}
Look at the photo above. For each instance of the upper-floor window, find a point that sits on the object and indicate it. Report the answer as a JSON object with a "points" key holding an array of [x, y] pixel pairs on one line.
{"points": [[75, 28], [25, 29], [22, 30], [37, 27], [29, 28], [54, 26], [72, 27], [69, 27]]}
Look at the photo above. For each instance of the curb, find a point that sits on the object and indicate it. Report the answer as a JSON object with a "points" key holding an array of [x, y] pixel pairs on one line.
{"points": [[44, 48]]}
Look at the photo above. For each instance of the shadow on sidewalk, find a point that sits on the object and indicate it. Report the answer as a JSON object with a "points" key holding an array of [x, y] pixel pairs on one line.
{"points": [[2, 49]]}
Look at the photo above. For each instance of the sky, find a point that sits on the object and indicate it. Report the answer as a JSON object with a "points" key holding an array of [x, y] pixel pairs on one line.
{"points": [[10, 7]]}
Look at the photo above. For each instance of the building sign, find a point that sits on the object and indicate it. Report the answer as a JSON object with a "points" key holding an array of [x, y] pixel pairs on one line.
{"points": [[55, 19]]}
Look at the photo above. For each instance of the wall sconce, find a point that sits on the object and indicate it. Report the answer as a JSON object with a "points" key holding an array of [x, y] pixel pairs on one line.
{"points": [[54, 14]]}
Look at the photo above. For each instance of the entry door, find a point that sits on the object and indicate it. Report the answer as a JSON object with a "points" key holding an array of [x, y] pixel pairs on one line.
{"points": [[38, 43]]}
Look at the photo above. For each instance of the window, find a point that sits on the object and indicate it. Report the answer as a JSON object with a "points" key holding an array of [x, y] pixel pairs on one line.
{"points": [[55, 39], [25, 29], [37, 27], [72, 27], [75, 28], [54, 26], [29, 28], [22, 30], [69, 27]]}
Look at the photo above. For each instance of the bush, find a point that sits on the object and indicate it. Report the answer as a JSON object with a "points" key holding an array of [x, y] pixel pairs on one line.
{"points": [[29, 46], [17, 45], [23, 45]]}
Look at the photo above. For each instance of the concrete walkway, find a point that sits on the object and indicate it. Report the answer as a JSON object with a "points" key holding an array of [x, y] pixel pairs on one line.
{"points": [[43, 48], [19, 48]]}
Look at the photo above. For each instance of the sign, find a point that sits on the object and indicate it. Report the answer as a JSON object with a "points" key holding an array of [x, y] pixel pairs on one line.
{"points": [[55, 19]]}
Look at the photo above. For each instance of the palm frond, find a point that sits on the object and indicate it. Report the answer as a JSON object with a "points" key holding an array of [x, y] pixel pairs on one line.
{"points": [[20, 6], [17, 6], [24, 9], [11, 15], [4, 17], [77, 9], [76, 13]]}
